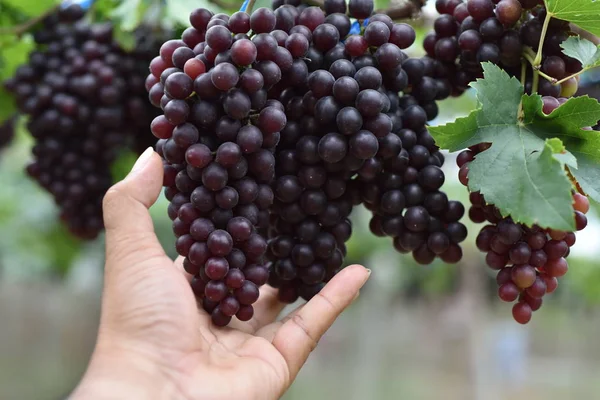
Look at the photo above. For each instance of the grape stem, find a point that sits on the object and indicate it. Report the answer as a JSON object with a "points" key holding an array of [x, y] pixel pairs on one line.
{"points": [[404, 8], [538, 58], [570, 76], [27, 25], [523, 72], [548, 77], [554, 81], [250, 6]]}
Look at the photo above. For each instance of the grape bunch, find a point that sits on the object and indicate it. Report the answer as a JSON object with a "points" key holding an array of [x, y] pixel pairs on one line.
{"points": [[274, 126], [7, 131], [469, 33], [218, 133], [85, 100], [529, 260]]}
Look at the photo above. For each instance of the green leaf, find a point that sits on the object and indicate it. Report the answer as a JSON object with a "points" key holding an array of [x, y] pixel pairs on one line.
{"points": [[583, 13], [566, 122], [126, 39], [588, 174], [14, 54], [521, 173], [583, 50], [178, 11], [129, 13], [11, 56], [382, 4], [32, 8], [560, 152]]}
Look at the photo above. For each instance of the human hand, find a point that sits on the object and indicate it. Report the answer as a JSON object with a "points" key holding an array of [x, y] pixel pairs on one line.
{"points": [[156, 342]]}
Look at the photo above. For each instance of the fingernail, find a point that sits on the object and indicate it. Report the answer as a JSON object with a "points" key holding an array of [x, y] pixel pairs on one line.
{"points": [[368, 271], [143, 160]]}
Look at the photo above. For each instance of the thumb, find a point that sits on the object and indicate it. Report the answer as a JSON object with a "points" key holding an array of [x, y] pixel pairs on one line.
{"points": [[130, 236]]}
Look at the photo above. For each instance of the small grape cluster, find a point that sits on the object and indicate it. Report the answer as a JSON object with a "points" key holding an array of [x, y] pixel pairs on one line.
{"points": [[274, 126], [528, 259], [469, 33], [85, 100]]}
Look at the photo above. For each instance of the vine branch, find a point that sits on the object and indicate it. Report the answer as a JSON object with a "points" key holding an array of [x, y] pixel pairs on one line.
{"points": [[27, 25]]}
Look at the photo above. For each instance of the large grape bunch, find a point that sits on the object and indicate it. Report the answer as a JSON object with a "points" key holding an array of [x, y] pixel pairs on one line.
{"points": [[85, 100], [274, 124], [476, 31]]}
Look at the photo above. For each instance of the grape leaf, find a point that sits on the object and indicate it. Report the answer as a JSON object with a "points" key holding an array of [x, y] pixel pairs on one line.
{"points": [[522, 172], [381, 4], [12, 55], [565, 122], [125, 39], [583, 50], [560, 152], [178, 11], [129, 13], [583, 13], [32, 8]]}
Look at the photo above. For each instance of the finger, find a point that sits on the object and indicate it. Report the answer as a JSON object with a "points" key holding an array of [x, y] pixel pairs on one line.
{"points": [[268, 306], [269, 331], [266, 309], [130, 236], [300, 334]]}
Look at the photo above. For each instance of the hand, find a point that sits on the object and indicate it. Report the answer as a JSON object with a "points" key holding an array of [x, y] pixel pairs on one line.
{"points": [[155, 343]]}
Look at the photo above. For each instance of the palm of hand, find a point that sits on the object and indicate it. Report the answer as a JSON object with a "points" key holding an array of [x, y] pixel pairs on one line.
{"points": [[262, 356], [150, 313], [162, 309]]}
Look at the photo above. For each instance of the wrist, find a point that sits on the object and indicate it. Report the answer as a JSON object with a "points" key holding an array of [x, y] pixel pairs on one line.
{"points": [[131, 374]]}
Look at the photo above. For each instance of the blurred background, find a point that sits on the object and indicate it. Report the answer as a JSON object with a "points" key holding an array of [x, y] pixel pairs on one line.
{"points": [[416, 332]]}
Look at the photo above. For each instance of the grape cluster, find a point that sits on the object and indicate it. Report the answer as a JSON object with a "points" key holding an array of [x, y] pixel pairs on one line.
{"points": [[85, 100], [274, 126], [528, 259], [218, 133], [7, 131], [469, 33]]}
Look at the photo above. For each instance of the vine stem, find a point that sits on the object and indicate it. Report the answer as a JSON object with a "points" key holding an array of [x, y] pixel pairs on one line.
{"points": [[538, 57], [554, 81], [529, 58], [250, 6], [24, 27], [570, 76], [548, 77], [536, 81], [523, 78]]}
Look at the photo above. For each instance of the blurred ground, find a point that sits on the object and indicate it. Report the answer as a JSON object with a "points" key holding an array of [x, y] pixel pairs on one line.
{"points": [[382, 348]]}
